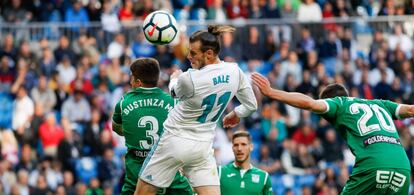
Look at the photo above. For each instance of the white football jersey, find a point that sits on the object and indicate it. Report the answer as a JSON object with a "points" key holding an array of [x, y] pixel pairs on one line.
{"points": [[204, 94]]}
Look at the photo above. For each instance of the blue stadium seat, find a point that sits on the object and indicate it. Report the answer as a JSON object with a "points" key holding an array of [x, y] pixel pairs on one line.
{"points": [[86, 169]]}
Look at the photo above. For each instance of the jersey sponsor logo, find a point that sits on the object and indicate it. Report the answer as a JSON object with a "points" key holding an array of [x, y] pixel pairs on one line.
{"points": [[242, 184], [381, 139], [139, 153], [255, 178], [231, 175], [390, 179]]}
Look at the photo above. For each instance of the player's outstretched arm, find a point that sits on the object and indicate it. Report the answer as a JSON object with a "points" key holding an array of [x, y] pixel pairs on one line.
{"points": [[298, 100], [117, 128], [406, 111]]}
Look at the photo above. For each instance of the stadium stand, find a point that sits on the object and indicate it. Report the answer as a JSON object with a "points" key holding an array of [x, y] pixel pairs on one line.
{"points": [[65, 63]]}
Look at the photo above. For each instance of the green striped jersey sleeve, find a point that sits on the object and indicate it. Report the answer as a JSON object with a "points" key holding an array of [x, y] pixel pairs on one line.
{"points": [[333, 105], [392, 107]]}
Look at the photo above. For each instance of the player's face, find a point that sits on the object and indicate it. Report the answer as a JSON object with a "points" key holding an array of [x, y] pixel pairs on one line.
{"points": [[196, 56], [241, 149]]}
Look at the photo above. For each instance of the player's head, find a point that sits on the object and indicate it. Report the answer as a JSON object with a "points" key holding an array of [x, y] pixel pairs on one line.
{"points": [[205, 45], [334, 90], [242, 146], [145, 72]]}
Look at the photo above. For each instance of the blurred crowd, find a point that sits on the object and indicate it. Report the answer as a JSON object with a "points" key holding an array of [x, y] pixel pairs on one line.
{"points": [[57, 98], [18, 11]]}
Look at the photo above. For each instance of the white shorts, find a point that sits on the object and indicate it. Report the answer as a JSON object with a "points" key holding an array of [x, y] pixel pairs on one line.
{"points": [[173, 153]]}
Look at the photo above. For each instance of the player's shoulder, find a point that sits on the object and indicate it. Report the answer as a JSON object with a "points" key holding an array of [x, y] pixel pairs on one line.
{"points": [[256, 170], [229, 65], [228, 166]]}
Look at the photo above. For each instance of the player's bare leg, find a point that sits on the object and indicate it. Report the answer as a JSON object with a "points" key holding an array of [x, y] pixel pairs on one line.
{"points": [[208, 190], [144, 188]]}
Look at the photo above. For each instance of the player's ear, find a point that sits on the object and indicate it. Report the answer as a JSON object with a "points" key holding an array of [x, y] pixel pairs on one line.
{"points": [[136, 83], [251, 147], [209, 53]]}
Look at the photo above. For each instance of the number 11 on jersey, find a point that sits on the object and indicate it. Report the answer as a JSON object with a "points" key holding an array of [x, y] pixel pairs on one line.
{"points": [[209, 101]]}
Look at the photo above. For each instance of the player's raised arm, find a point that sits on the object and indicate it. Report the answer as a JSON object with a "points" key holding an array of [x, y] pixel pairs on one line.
{"points": [[117, 119], [406, 111], [181, 84], [295, 99]]}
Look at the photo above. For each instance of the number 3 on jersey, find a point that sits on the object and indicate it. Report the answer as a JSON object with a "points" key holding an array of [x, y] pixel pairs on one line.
{"points": [[151, 133], [209, 101], [385, 120]]}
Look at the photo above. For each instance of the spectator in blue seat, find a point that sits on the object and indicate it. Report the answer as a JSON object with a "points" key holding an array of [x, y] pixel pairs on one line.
{"points": [[16, 13], [23, 109], [267, 162], [46, 172], [6, 108], [8, 49], [217, 12], [26, 161], [69, 148], [332, 151], [306, 86], [67, 72], [271, 10], [255, 10], [306, 44], [23, 182], [76, 108], [102, 77], [110, 22], [64, 49], [328, 52], [230, 49], [383, 90], [107, 169], [375, 75], [26, 54], [141, 47], [253, 48], [47, 62], [397, 91], [273, 124], [366, 91], [41, 186], [93, 130], [291, 67], [68, 183], [77, 14], [43, 95]]}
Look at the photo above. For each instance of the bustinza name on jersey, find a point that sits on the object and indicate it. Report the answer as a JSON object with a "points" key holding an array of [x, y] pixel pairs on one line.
{"points": [[146, 103], [381, 139]]}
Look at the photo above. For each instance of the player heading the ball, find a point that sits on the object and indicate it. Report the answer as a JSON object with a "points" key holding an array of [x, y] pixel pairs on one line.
{"points": [[204, 92]]}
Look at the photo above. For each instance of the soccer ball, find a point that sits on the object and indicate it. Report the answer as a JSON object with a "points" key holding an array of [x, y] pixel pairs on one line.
{"points": [[160, 27]]}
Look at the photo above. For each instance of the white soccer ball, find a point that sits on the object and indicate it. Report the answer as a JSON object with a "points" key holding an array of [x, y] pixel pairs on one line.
{"points": [[160, 27]]}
